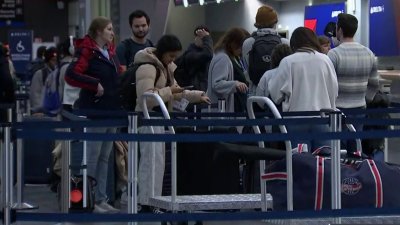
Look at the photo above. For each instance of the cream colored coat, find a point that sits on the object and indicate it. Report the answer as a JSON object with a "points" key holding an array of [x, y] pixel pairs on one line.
{"points": [[146, 75], [152, 154]]}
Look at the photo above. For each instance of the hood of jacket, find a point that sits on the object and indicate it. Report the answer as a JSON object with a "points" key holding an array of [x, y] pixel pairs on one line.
{"points": [[90, 43], [148, 55], [264, 31]]}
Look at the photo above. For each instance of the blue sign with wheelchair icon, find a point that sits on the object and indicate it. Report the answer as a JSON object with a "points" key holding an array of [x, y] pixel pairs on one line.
{"points": [[20, 42]]}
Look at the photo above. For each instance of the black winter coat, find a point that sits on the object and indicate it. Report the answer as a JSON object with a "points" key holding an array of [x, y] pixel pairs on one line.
{"points": [[89, 68]]}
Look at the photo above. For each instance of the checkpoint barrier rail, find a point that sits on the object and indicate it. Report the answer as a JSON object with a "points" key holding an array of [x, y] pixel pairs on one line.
{"points": [[6, 174], [22, 108], [139, 137]]}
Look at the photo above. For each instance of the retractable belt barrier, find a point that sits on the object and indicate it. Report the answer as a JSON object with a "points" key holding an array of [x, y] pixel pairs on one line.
{"points": [[30, 130]]}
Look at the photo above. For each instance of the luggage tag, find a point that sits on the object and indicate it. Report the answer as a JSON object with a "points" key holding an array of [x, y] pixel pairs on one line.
{"points": [[181, 105]]}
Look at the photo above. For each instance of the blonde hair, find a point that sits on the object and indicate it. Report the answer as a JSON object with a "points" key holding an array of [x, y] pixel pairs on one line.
{"points": [[98, 24]]}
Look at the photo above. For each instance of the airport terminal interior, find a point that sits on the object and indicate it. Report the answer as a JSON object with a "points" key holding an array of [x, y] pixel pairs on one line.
{"points": [[26, 25]]}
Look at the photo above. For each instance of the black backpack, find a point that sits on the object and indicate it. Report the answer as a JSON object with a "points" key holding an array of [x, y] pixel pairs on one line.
{"points": [[181, 74], [260, 55], [127, 85]]}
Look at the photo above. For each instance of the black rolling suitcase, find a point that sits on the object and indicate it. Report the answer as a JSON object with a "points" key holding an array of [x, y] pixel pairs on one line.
{"points": [[203, 170], [37, 156], [77, 166]]}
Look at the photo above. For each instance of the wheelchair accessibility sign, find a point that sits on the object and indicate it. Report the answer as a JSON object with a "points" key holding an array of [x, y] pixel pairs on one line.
{"points": [[20, 42]]}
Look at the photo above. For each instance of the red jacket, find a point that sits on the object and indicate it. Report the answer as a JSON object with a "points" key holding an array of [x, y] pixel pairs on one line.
{"points": [[91, 67]]}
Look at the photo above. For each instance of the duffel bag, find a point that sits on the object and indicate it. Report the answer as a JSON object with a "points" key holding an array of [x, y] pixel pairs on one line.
{"points": [[364, 183]]}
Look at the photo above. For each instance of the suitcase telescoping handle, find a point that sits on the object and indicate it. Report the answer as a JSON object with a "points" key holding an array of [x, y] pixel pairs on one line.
{"points": [[289, 185], [84, 171]]}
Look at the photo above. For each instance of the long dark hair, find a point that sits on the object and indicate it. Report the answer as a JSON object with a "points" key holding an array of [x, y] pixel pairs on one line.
{"points": [[304, 39], [232, 40], [167, 43]]}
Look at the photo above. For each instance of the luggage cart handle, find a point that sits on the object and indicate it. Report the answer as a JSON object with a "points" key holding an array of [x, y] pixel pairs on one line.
{"points": [[277, 115], [166, 115], [271, 106], [160, 102]]}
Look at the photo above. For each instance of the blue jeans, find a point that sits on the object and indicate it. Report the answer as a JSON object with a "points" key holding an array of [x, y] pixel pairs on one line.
{"points": [[98, 153]]}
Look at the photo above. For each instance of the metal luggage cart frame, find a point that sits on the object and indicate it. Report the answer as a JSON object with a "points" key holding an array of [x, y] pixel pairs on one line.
{"points": [[195, 202], [289, 191], [230, 201], [335, 116]]}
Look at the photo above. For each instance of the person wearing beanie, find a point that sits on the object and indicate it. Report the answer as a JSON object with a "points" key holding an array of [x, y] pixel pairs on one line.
{"points": [[198, 55], [266, 17], [265, 22], [39, 78]]}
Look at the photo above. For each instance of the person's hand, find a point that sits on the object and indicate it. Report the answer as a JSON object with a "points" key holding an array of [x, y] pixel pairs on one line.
{"points": [[100, 90], [241, 87], [205, 99], [202, 33], [176, 89]]}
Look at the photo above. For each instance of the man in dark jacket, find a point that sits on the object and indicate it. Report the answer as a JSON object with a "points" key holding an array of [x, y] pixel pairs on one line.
{"points": [[193, 64], [7, 95], [139, 23]]}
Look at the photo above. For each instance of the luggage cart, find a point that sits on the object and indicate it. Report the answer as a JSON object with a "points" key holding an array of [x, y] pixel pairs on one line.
{"points": [[266, 101], [335, 122], [197, 202]]}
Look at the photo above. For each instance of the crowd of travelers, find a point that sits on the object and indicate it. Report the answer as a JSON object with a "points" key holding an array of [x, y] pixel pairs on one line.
{"points": [[300, 74]]}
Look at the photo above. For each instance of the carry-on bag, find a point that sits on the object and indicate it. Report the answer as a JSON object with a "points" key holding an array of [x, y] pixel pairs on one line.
{"points": [[80, 182], [365, 183]]}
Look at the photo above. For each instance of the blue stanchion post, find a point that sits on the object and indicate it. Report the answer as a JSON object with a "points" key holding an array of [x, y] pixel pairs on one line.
{"points": [[6, 170], [20, 204]]}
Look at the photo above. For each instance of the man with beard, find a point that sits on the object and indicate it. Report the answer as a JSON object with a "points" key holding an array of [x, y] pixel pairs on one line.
{"points": [[139, 22]]}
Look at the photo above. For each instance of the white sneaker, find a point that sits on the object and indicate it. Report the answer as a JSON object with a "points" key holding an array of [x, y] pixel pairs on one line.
{"points": [[106, 207], [98, 209], [124, 198], [156, 210]]}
